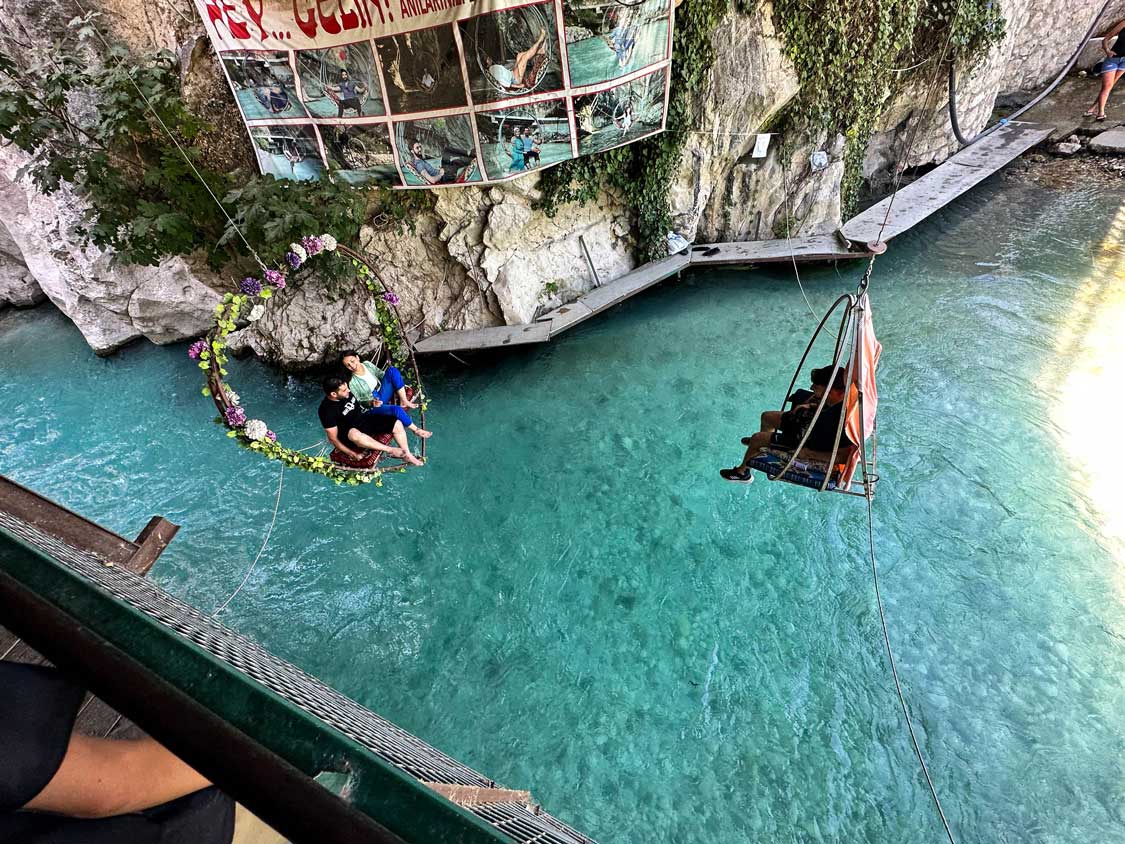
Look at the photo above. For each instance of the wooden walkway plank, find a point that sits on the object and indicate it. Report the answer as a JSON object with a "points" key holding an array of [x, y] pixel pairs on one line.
{"points": [[485, 338], [561, 319], [632, 283], [815, 248], [566, 317], [944, 183]]}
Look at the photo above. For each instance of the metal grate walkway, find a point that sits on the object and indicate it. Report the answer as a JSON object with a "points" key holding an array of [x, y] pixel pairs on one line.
{"points": [[406, 752]]}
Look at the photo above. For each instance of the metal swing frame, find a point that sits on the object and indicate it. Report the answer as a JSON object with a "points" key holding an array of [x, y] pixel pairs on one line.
{"points": [[849, 340]]}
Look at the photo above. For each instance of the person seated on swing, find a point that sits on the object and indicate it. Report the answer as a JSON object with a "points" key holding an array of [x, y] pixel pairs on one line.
{"points": [[786, 428], [348, 426], [453, 160], [520, 74], [274, 97], [348, 94], [373, 386]]}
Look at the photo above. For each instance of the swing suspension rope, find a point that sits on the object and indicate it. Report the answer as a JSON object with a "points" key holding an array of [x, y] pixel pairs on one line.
{"points": [[850, 328], [864, 284]]}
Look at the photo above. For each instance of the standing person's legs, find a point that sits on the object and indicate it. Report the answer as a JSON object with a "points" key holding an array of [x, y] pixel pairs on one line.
{"points": [[339, 108], [1109, 79]]}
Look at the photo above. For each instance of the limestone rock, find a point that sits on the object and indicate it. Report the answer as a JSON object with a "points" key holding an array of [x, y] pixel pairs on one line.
{"points": [[534, 263], [171, 302], [305, 325], [17, 285], [720, 192], [1112, 141], [1067, 148]]}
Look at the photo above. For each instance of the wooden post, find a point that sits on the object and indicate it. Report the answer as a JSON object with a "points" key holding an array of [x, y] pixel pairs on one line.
{"points": [[151, 543]]}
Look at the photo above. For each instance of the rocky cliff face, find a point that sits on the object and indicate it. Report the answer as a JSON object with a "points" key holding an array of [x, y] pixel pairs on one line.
{"points": [[1040, 38], [486, 256]]}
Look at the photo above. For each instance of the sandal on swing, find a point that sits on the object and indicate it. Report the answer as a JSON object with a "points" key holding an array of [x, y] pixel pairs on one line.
{"points": [[733, 476]]}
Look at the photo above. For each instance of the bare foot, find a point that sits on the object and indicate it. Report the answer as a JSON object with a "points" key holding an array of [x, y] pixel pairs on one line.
{"points": [[397, 453], [409, 405], [411, 459], [422, 432]]}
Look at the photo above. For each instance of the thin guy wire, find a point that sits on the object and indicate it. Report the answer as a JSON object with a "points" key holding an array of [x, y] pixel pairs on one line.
{"points": [[894, 668], [168, 132], [265, 542]]}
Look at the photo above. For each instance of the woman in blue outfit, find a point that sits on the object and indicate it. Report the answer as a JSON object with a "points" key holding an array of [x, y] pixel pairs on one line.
{"points": [[518, 163], [1112, 69], [375, 387]]}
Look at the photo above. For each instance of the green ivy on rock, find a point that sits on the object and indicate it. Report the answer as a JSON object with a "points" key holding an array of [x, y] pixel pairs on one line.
{"points": [[852, 55]]}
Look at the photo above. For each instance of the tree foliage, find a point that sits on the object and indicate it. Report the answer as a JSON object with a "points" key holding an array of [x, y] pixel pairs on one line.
{"points": [[118, 131]]}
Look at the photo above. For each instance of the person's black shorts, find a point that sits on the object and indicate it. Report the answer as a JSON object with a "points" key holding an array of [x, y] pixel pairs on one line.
{"points": [[529, 156], [375, 424], [785, 439], [350, 103]]}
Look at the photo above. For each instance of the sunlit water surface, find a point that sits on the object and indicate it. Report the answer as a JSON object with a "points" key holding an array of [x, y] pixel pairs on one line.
{"points": [[569, 599]]}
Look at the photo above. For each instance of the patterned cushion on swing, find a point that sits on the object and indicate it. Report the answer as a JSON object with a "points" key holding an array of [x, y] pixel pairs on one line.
{"points": [[803, 472], [367, 461]]}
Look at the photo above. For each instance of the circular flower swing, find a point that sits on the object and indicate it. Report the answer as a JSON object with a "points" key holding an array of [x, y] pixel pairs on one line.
{"points": [[250, 304]]}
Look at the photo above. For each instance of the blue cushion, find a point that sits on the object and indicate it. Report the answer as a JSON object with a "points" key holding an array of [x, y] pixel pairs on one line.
{"points": [[811, 475]]}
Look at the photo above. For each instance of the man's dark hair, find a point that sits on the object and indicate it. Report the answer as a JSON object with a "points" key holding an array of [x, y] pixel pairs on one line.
{"points": [[331, 384], [821, 376], [348, 353]]}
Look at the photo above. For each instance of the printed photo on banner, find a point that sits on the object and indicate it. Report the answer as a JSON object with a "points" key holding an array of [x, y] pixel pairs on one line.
{"points": [[620, 114], [606, 39], [287, 151], [522, 138], [437, 151], [513, 53], [360, 154], [422, 70], [340, 81], [263, 84]]}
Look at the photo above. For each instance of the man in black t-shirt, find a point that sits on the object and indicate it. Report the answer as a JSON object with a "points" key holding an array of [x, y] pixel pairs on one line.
{"points": [[786, 429], [347, 424]]}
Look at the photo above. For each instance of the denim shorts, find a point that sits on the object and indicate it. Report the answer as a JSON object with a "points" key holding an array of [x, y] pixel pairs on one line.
{"points": [[1113, 63]]}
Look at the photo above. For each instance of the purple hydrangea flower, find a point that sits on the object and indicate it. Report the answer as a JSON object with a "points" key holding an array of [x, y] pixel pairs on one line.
{"points": [[250, 286], [312, 244], [196, 349], [293, 259], [271, 436], [391, 298], [276, 278], [235, 416]]}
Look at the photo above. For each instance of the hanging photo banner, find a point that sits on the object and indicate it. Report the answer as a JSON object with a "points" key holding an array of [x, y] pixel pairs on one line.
{"points": [[439, 93]]}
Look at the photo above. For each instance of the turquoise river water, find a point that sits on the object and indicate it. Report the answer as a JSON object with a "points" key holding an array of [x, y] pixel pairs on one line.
{"points": [[570, 600]]}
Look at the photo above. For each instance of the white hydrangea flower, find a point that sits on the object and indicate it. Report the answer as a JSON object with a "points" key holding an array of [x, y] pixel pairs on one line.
{"points": [[298, 250], [256, 313], [233, 397], [255, 430], [329, 242]]}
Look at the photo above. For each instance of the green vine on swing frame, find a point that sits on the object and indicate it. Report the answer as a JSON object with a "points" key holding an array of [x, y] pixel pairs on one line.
{"points": [[249, 304]]}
